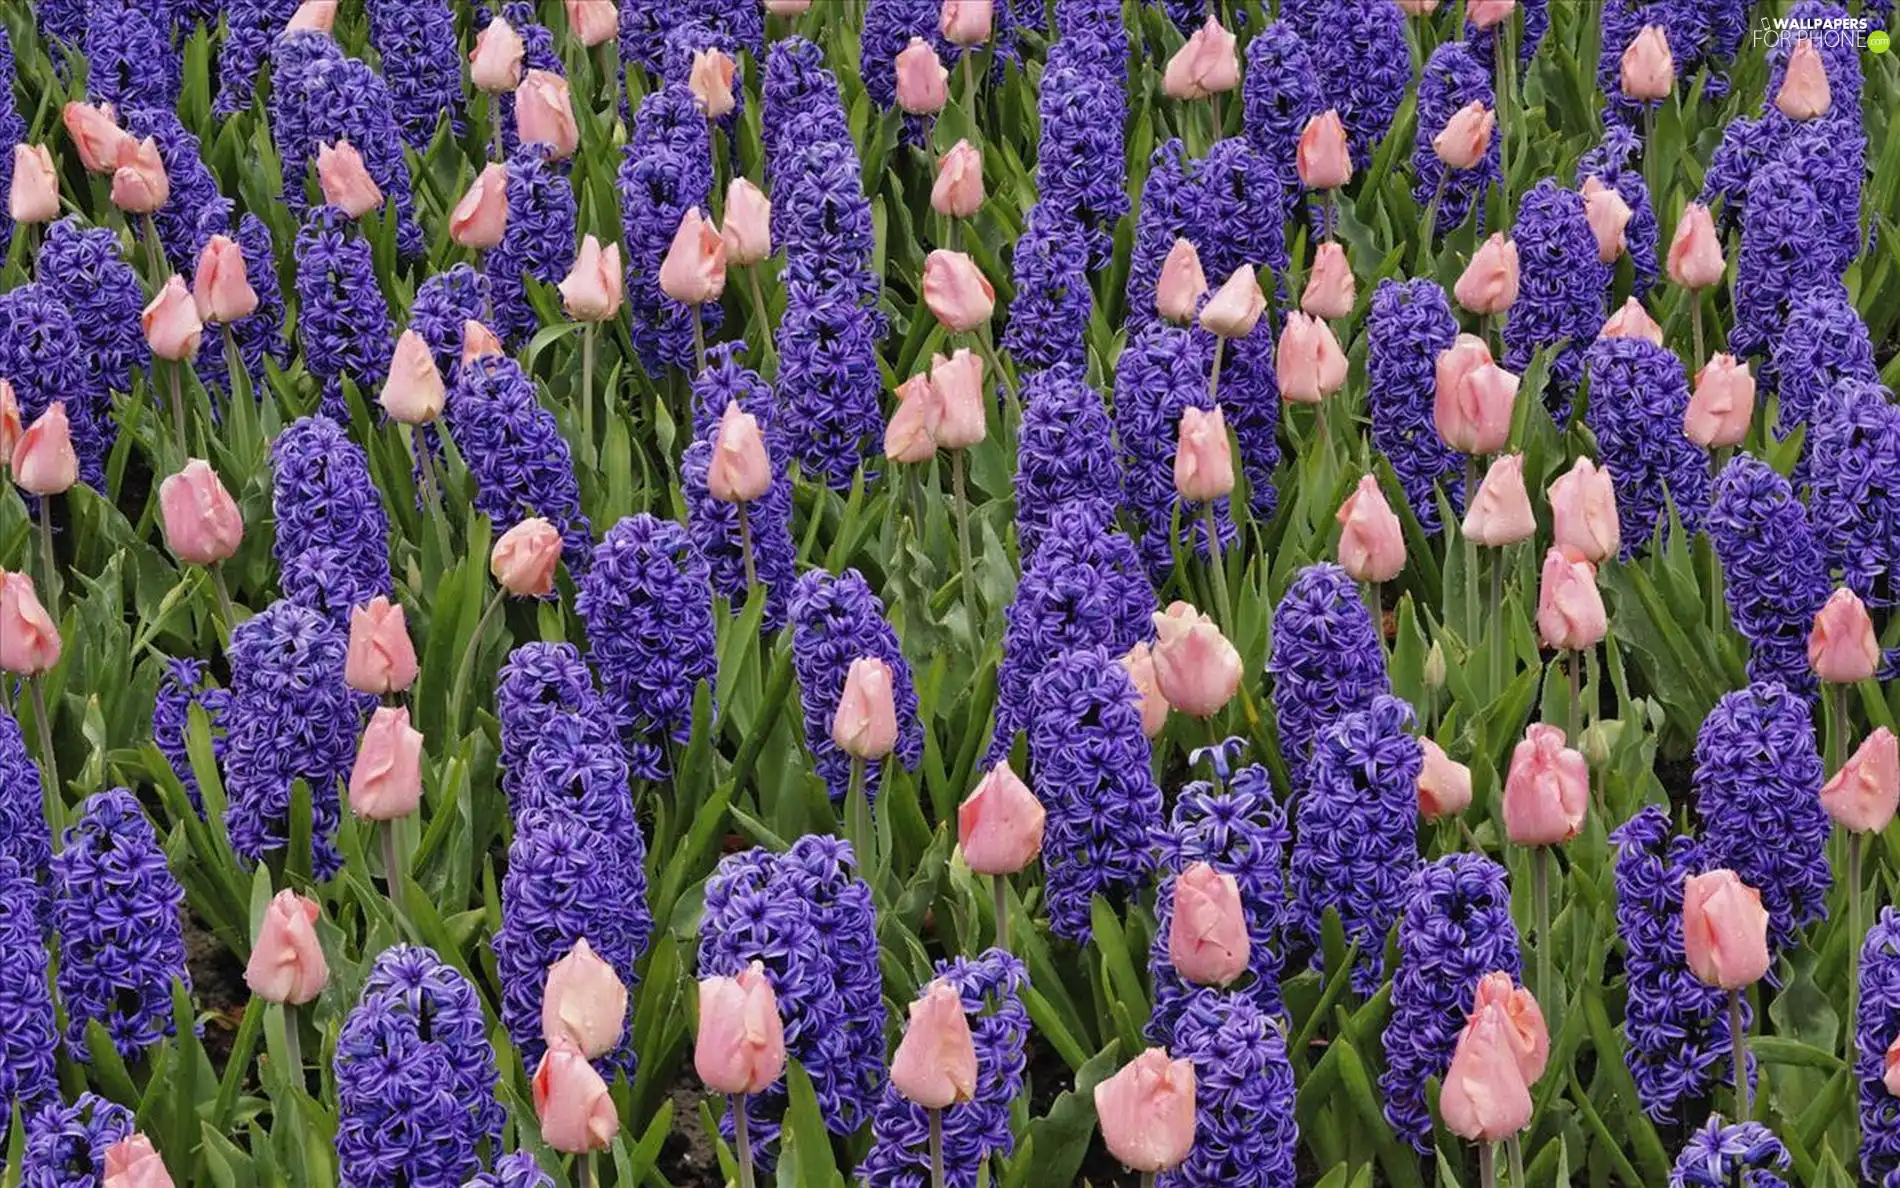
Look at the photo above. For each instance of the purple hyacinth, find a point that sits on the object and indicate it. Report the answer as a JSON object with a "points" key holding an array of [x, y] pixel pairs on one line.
{"points": [[835, 620], [1879, 1026], [1616, 162], [1227, 203], [1776, 263], [808, 919], [415, 1076], [714, 524], [249, 28], [423, 65], [1049, 317], [1250, 402], [644, 25], [647, 603], [1091, 763], [990, 986], [41, 355], [260, 335], [684, 39], [1536, 25], [327, 508], [291, 719], [1822, 342], [29, 1045], [1853, 468], [1758, 783], [1086, 587], [538, 242], [1562, 289], [171, 721], [1099, 20], [802, 102], [343, 322], [1280, 92], [545, 697], [1064, 455], [888, 27], [1326, 661], [518, 1170], [514, 449], [1168, 201], [1719, 1156], [1161, 374], [1692, 45], [83, 268], [823, 220], [1773, 570], [1454, 78], [13, 130], [130, 60], [443, 304], [1246, 1135], [116, 909], [665, 171], [1407, 325], [24, 835], [1081, 161], [66, 1145], [1456, 928], [1638, 395], [1356, 830], [829, 385], [194, 189], [1362, 60]]}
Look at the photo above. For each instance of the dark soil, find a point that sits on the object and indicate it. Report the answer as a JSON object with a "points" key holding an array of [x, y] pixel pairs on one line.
{"points": [[688, 1158], [217, 986]]}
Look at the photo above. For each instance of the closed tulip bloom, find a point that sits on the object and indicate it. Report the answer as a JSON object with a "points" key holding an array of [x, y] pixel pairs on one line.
{"points": [[1500, 513], [594, 288], [1546, 789], [1695, 254], [1444, 784], [1206, 65], [525, 558], [694, 271], [1182, 284], [221, 286], [479, 219], [1632, 321], [1323, 160], [1203, 463], [43, 459], [29, 639], [1608, 216], [386, 783], [1207, 935], [1483, 1098], [11, 429], [711, 82], [864, 725], [1724, 930], [966, 22], [313, 16], [923, 83], [1723, 404], [202, 523], [495, 62], [133, 1162], [345, 181], [1140, 663], [740, 470], [1570, 615], [935, 1062], [1526, 1030], [1583, 515], [478, 342], [1472, 397], [911, 435], [1235, 308], [593, 22], [34, 194], [1310, 364], [287, 963], [1488, 285], [958, 382], [381, 658], [1329, 287], [999, 825], [741, 1043], [1418, 8], [958, 190], [1841, 647], [140, 184], [1649, 70], [1466, 136], [171, 324], [1864, 793], [585, 1002], [413, 393], [1804, 93], [1147, 1111], [577, 1113], [1196, 667], [96, 134], [1890, 1074], [748, 226], [544, 114], [957, 292], [1487, 14], [788, 8], [1371, 540]]}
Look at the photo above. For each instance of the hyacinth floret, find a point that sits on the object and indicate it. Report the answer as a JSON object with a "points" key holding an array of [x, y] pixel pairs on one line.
{"points": [[1719, 1156], [541, 684], [1562, 290], [250, 26], [83, 268], [768, 519], [29, 1044], [423, 66], [1878, 1027], [1823, 342], [182, 688], [1081, 163], [24, 835], [1776, 262], [42, 357], [1280, 91], [829, 386], [1364, 66], [66, 1145], [1160, 375], [518, 1170], [1616, 162], [665, 171], [1246, 1135], [343, 322], [1064, 454], [130, 61], [1049, 319], [538, 242]]}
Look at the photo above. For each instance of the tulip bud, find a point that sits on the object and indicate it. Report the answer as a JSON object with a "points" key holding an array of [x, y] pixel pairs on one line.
{"points": [[923, 83], [956, 291], [1695, 254], [140, 184], [525, 558], [1308, 360], [747, 230], [1488, 285], [1841, 647], [544, 114], [1632, 321], [386, 783], [935, 1062], [221, 287], [1444, 785], [1182, 284], [741, 1044], [381, 660], [911, 435], [1322, 157], [740, 470], [1608, 216], [1371, 540], [1525, 1031], [1207, 934], [313, 16], [1863, 794], [133, 1162], [1473, 398], [958, 191], [478, 342], [1000, 824], [584, 1003], [1583, 517], [710, 80], [171, 324], [495, 62], [594, 288], [1648, 70], [966, 22], [577, 1113], [201, 521], [1546, 789], [345, 182], [864, 725], [1235, 308], [1206, 65], [1723, 404], [1330, 289], [1724, 930], [34, 194], [1466, 137], [413, 394], [1203, 463], [1488, 14], [694, 271], [593, 22], [1500, 513], [479, 219], [96, 134], [287, 963], [11, 430], [1483, 1098], [1147, 1112], [29, 639], [1196, 667], [1804, 93], [43, 459], [1570, 615]]}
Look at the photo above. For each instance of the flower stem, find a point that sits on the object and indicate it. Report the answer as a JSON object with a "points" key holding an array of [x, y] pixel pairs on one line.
{"points": [[745, 550], [1217, 571], [1540, 896], [971, 597], [50, 573], [1213, 381], [699, 342], [1695, 322], [999, 887], [1855, 923], [584, 1168], [153, 260], [225, 606], [458, 692], [1738, 1044], [178, 409], [1515, 1145], [392, 866], [988, 350], [587, 389], [497, 126], [49, 762], [1487, 1166], [293, 1046], [857, 807], [432, 496], [742, 1140], [1431, 221], [1494, 653], [759, 312], [936, 1148], [1471, 558], [1574, 667]]}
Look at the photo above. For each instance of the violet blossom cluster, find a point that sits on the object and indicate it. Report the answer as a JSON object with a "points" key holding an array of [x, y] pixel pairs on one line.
{"points": [[1407, 325], [1775, 577], [1327, 661], [422, 63], [537, 242], [1454, 78], [42, 357], [343, 323], [1638, 397], [665, 171], [1280, 91], [25, 838], [66, 1145], [837, 619], [1246, 1135], [521, 464], [1160, 374], [83, 268], [1853, 469], [29, 1046], [182, 688], [1616, 162], [1064, 455], [1878, 1027], [1562, 290], [332, 534]]}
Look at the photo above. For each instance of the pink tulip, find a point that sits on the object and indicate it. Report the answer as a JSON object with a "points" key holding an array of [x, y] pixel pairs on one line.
{"points": [[1147, 1111], [1206, 65], [1483, 1098], [911, 435], [202, 523], [1371, 540], [43, 458], [171, 324], [1207, 935], [1841, 647], [1486, 14], [1182, 285], [935, 1062], [133, 1162], [956, 291], [495, 62], [544, 114], [593, 22], [139, 184], [694, 271], [1203, 463], [1723, 404], [1649, 70], [741, 1044], [1466, 137], [287, 963], [1444, 785], [479, 219], [413, 392], [1864, 793], [221, 287], [966, 22], [1583, 515], [1570, 615], [1140, 663], [577, 1113], [747, 230], [1471, 405], [740, 470], [958, 382], [595, 286], [1546, 789], [788, 8], [1196, 667], [711, 82], [478, 342], [1322, 158], [525, 558], [1329, 287], [381, 659], [1695, 254], [999, 825], [386, 783], [1488, 285], [96, 134], [1632, 321], [1418, 8], [1500, 513], [29, 639], [1310, 364], [345, 182], [313, 16], [34, 195], [923, 83], [958, 190], [11, 429], [1724, 930], [864, 725], [1608, 216], [1890, 1073], [1525, 1029], [1235, 308], [584, 1003], [1804, 93]]}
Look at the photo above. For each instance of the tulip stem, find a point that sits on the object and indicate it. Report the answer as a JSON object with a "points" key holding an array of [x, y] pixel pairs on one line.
{"points": [[1540, 904], [293, 1047], [1487, 1167], [1216, 570], [699, 342], [988, 351], [392, 866], [857, 808], [1738, 1044], [458, 692], [1837, 732], [1213, 381], [178, 408], [50, 573], [1214, 108], [225, 606], [999, 887], [961, 500], [1431, 220], [1504, 100], [742, 1140], [1855, 922], [49, 763], [745, 550], [1695, 323], [759, 312], [1515, 1145], [432, 499], [498, 126], [936, 1149], [1471, 557], [1492, 607], [587, 387], [584, 1166], [154, 260]]}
